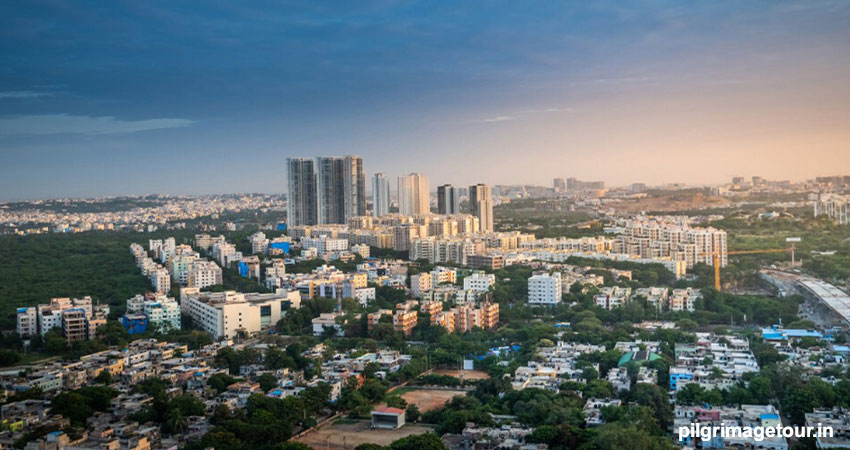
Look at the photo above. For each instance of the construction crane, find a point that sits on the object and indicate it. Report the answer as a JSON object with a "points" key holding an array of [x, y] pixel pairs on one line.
{"points": [[716, 256]]}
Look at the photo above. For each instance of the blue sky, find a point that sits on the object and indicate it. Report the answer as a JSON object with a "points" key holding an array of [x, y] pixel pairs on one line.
{"points": [[109, 98]]}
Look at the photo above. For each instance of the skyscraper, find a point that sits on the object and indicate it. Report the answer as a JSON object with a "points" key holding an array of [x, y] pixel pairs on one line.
{"points": [[341, 188], [448, 200], [481, 205], [380, 195], [301, 193], [560, 185], [413, 195]]}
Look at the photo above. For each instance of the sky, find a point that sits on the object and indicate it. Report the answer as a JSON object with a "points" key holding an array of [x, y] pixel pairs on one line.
{"points": [[124, 97]]}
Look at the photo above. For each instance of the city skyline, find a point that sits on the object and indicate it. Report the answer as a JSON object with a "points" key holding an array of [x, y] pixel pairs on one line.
{"points": [[620, 92]]}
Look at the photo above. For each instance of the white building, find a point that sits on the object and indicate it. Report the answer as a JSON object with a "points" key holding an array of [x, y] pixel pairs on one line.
{"points": [[479, 280], [224, 314], [324, 244], [27, 322], [544, 289], [259, 243], [204, 274], [225, 253]]}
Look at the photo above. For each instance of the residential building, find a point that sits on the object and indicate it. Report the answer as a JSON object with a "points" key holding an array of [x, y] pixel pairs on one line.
{"points": [[380, 195], [405, 317], [413, 195], [481, 205], [341, 188], [544, 289], [324, 244], [203, 274], [448, 200], [27, 322], [419, 283], [479, 280], [161, 312], [301, 201], [82, 318]]}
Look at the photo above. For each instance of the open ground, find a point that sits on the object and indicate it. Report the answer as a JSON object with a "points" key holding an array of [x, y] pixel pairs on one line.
{"points": [[344, 434], [428, 399], [463, 374]]}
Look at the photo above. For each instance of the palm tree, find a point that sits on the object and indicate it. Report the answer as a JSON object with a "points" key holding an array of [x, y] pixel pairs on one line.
{"points": [[176, 421]]}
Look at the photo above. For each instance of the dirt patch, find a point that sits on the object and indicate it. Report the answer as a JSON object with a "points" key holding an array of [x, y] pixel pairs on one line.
{"points": [[428, 399], [463, 374], [340, 436]]}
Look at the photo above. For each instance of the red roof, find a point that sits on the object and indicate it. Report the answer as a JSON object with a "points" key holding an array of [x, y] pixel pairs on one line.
{"points": [[389, 411]]}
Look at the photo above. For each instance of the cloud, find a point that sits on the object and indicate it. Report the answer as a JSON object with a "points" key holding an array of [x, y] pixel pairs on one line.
{"points": [[48, 124], [497, 119], [23, 94], [522, 114]]}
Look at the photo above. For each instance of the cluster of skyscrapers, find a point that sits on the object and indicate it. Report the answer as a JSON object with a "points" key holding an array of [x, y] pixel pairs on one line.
{"points": [[331, 190], [325, 189]]}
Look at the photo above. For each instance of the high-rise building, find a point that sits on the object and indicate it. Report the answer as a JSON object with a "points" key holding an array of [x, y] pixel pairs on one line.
{"points": [[301, 194], [559, 184], [341, 188], [380, 195], [481, 205], [413, 196], [448, 200]]}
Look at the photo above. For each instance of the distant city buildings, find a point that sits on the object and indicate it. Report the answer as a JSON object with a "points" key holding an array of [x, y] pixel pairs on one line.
{"points": [[448, 200], [301, 201], [559, 185], [481, 205], [413, 195], [341, 188], [834, 206], [380, 195]]}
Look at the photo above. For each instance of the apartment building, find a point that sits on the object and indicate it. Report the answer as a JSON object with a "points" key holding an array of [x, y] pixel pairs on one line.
{"points": [[77, 319], [27, 322], [612, 297], [203, 274], [656, 297], [671, 237], [442, 275], [259, 243], [479, 280], [544, 289], [439, 250], [419, 283], [405, 317], [684, 299], [161, 312], [324, 244], [161, 280]]}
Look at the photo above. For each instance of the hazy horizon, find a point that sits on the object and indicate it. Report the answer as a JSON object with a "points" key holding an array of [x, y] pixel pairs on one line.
{"points": [[102, 99]]}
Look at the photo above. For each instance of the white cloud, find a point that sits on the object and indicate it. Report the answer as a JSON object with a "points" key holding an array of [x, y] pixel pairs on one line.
{"points": [[522, 114], [23, 94], [47, 124], [497, 119]]}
